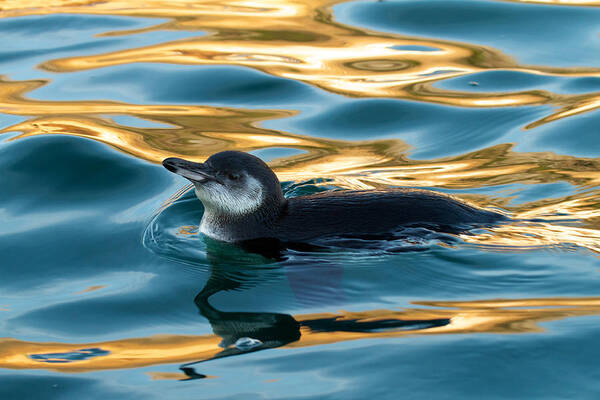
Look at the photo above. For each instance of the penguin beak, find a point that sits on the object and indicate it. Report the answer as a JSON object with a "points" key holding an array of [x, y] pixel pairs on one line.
{"points": [[195, 172]]}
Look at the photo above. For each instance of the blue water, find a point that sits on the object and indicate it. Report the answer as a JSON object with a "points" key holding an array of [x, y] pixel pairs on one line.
{"points": [[108, 291]]}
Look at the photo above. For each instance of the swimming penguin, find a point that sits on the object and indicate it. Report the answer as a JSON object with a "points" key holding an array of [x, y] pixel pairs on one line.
{"points": [[243, 201]]}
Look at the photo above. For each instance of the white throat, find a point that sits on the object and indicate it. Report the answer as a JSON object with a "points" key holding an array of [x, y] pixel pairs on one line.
{"points": [[221, 202]]}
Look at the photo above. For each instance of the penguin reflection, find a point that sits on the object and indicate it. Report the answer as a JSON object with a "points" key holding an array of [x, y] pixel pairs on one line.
{"points": [[267, 329], [245, 332], [241, 332]]}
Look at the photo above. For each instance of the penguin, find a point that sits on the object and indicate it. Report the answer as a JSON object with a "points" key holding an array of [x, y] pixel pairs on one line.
{"points": [[243, 201]]}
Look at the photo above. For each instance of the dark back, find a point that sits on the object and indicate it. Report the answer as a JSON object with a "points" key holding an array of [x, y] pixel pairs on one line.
{"points": [[359, 213]]}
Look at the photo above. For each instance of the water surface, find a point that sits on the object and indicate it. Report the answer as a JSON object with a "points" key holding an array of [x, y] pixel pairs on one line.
{"points": [[108, 290]]}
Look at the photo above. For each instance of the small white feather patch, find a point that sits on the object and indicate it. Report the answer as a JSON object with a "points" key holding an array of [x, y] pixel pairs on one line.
{"points": [[221, 199]]}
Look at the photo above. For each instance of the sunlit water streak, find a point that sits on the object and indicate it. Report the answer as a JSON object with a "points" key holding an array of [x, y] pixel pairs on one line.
{"points": [[324, 59], [486, 316]]}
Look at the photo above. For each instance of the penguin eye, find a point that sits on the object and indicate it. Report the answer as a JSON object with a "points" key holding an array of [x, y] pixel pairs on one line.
{"points": [[233, 176]]}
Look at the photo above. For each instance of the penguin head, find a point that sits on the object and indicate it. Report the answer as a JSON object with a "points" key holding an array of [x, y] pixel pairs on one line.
{"points": [[231, 183]]}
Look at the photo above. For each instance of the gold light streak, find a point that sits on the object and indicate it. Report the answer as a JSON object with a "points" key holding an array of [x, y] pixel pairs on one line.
{"points": [[564, 222], [196, 8], [13, 101], [196, 132], [517, 237], [585, 207], [574, 105], [300, 40], [335, 66], [507, 316]]}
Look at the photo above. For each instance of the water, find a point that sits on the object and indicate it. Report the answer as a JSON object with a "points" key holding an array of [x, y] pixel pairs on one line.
{"points": [[108, 291]]}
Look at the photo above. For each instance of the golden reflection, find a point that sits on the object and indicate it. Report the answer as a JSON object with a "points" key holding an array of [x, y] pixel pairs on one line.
{"points": [[516, 237], [196, 132], [90, 119], [572, 105], [14, 101], [506, 316], [563, 222], [300, 40], [571, 219]]}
